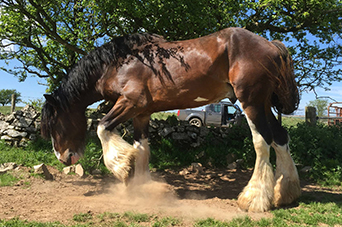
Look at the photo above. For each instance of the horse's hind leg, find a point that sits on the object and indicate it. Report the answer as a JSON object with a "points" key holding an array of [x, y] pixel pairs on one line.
{"points": [[258, 194], [287, 187], [141, 170]]}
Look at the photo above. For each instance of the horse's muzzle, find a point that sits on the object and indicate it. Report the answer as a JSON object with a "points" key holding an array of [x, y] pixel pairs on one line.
{"points": [[71, 159]]}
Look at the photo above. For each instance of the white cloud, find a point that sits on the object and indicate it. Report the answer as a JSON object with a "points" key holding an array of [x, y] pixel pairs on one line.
{"points": [[7, 46]]}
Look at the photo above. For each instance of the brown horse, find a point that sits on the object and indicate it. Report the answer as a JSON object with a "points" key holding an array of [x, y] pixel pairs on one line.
{"points": [[144, 73]]}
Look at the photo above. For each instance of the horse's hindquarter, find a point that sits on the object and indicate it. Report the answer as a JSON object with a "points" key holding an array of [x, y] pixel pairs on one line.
{"points": [[251, 65]]}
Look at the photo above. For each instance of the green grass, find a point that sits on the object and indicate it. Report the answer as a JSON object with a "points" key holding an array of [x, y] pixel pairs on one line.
{"points": [[35, 153], [305, 214], [291, 121], [8, 179], [128, 218], [7, 109], [82, 217], [162, 115]]}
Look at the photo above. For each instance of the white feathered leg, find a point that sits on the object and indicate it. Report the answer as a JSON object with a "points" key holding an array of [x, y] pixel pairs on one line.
{"points": [[118, 155], [257, 196], [287, 187], [141, 170]]}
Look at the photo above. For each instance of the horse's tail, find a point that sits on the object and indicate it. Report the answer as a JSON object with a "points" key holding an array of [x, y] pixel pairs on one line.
{"points": [[286, 96]]}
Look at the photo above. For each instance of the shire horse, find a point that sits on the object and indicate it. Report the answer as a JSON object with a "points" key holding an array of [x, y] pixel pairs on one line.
{"points": [[143, 73]]}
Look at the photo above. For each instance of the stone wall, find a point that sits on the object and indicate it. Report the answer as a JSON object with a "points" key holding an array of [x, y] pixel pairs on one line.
{"points": [[179, 131], [20, 126], [24, 125]]}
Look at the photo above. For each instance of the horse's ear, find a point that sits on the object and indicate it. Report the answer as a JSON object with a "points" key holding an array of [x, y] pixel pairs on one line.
{"points": [[51, 100]]}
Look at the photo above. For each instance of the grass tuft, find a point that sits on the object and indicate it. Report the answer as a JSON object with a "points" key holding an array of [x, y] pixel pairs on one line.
{"points": [[8, 179]]}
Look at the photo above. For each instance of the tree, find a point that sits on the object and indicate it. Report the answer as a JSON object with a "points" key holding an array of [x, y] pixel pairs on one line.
{"points": [[6, 96], [321, 106], [48, 37]]}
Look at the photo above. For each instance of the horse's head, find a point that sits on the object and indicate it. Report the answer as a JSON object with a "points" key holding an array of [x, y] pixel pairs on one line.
{"points": [[66, 128]]}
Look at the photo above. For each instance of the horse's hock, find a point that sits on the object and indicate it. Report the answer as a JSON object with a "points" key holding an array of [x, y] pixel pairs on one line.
{"points": [[20, 127]]}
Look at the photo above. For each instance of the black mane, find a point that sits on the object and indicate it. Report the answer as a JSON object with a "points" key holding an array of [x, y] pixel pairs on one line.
{"points": [[89, 69]]}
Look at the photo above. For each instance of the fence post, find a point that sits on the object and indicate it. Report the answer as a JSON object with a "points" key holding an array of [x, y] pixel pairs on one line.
{"points": [[13, 103], [310, 115]]}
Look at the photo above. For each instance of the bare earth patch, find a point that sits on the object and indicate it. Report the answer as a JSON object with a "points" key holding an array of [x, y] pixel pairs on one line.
{"points": [[189, 197]]}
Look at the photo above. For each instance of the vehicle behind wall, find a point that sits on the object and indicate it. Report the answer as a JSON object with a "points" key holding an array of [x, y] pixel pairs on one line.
{"points": [[222, 114]]}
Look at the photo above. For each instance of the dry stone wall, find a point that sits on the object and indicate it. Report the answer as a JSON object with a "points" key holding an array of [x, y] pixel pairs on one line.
{"points": [[20, 126], [24, 125]]}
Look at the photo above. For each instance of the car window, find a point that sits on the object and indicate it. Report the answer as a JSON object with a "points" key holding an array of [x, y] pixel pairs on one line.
{"points": [[231, 110], [217, 108]]}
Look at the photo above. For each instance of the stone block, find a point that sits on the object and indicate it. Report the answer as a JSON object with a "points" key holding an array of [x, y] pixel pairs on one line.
{"points": [[79, 170], [69, 169], [42, 169]]}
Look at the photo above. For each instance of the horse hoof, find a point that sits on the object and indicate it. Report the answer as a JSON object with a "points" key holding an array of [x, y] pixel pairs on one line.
{"points": [[255, 200], [286, 191]]}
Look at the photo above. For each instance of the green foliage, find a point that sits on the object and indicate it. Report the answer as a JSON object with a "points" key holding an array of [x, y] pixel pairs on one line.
{"points": [[6, 96], [319, 147], [167, 153], [36, 103], [321, 106], [51, 37], [92, 158]]}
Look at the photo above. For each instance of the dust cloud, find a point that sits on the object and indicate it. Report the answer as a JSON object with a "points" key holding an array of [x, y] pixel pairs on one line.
{"points": [[158, 198]]}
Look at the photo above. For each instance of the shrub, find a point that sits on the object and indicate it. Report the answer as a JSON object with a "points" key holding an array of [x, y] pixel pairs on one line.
{"points": [[92, 158], [168, 153], [319, 147]]}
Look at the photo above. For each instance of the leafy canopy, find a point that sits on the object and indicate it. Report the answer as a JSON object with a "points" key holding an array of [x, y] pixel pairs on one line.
{"points": [[48, 37], [6, 96], [321, 105]]}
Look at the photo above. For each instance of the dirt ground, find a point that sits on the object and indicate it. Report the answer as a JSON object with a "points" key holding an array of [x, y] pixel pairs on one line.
{"points": [[189, 197]]}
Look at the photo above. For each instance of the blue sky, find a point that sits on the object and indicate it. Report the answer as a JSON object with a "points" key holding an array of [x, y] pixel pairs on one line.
{"points": [[30, 89]]}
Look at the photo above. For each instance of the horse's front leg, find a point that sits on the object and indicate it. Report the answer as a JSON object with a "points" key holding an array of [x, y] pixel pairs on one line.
{"points": [[141, 125], [258, 195], [118, 155]]}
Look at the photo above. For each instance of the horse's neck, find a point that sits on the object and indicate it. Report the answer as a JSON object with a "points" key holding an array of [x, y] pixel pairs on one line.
{"points": [[88, 98]]}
